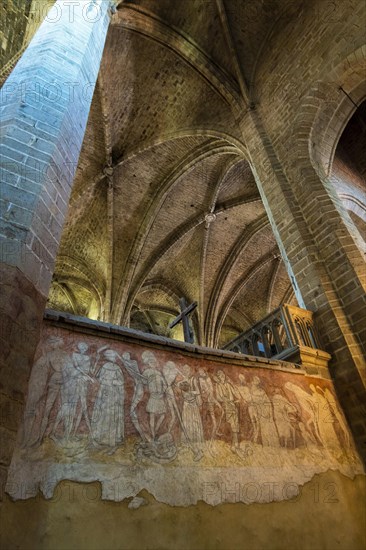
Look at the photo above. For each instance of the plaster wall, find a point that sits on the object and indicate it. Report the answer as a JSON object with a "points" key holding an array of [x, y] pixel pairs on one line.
{"points": [[309, 495], [329, 513]]}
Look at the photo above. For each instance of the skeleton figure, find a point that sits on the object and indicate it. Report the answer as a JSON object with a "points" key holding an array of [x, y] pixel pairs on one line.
{"points": [[228, 395], [334, 408], [156, 406], [246, 397], [284, 416], [319, 415], [170, 373], [207, 394], [325, 420], [45, 386], [133, 369], [82, 365], [263, 404]]}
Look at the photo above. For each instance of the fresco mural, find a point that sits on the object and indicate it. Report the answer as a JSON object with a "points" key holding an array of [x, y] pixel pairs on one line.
{"points": [[184, 428]]}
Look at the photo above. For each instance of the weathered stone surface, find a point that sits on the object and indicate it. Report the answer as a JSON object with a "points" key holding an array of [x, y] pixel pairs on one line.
{"points": [[40, 143], [21, 311], [136, 503], [11, 412], [80, 519], [171, 112], [182, 426], [7, 442], [37, 166], [228, 195]]}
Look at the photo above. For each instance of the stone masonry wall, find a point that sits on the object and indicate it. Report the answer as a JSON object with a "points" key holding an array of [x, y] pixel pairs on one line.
{"points": [[135, 411], [299, 115], [215, 487], [44, 109]]}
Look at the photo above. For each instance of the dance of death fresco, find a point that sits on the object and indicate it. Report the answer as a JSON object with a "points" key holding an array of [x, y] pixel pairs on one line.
{"points": [[118, 403]]}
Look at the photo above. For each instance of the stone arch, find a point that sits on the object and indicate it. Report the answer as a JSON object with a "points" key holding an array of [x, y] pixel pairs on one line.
{"points": [[213, 134], [327, 110], [321, 117], [81, 272], [354, 205], [318, 126], [158, 284]]}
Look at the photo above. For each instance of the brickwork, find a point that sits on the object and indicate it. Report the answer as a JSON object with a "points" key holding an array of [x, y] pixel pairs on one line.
{"points": [[349, 171], [188, 102], [300, 117], [20, 20], [348, 185], [315, 284], [21, 315], [14, 17], [281, 88], [44, 110]]}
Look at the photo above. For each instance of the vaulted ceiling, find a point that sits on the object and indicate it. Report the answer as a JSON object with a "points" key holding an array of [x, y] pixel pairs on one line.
{"points": [[164, 203]]}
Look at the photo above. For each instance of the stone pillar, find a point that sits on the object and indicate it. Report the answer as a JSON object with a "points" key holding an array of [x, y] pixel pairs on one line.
{"points": [[45, 104], [323, 262]]}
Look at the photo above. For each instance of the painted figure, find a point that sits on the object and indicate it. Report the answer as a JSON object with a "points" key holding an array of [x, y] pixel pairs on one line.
{"points": [[307, 436], [334, 409], [263, 405], [68, 402], [191, 416], [156, 406], [318, 413], [284, 417], [133, 369], [170, 373], [246, 397], [325, 420], [206, 388], [44, 388], [308, 408], [82, 365], [228, 395], [108, 413]]}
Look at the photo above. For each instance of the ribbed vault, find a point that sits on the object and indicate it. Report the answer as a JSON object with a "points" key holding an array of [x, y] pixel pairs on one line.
{"points": [[164, 203]]}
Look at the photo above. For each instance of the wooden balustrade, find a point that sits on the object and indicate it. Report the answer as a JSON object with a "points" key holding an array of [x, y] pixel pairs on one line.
{"points": [[288, 333]]}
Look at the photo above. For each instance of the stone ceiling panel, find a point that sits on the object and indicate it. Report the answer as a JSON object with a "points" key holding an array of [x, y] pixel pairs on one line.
{"points": [[163, 116], [223, 233], [251, 24], [188, 198], [205, 28], [137, 182], [85, 237], [93, 152], [159, 95], [252, 300], [281, 289], [182, 266], [259, 249], [153, 298], [238, 181]]}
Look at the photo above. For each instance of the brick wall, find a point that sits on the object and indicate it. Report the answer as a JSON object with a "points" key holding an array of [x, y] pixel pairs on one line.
{"points": [[300, 115], [44, 109], [14, 20]]}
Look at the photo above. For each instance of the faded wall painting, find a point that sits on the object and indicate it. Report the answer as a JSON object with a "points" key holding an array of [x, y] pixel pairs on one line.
{"points": [[183, 428]]}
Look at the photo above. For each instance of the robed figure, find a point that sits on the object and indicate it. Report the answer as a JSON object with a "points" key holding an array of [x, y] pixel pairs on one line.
{"points": [[108, 414]]}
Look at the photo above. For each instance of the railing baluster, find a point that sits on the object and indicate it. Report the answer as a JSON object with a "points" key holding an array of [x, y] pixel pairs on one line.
{"points": [[285, 333]]}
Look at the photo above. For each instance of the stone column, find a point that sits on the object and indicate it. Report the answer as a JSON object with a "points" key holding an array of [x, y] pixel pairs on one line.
{"points": [[45, 104], [323, 263]]}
